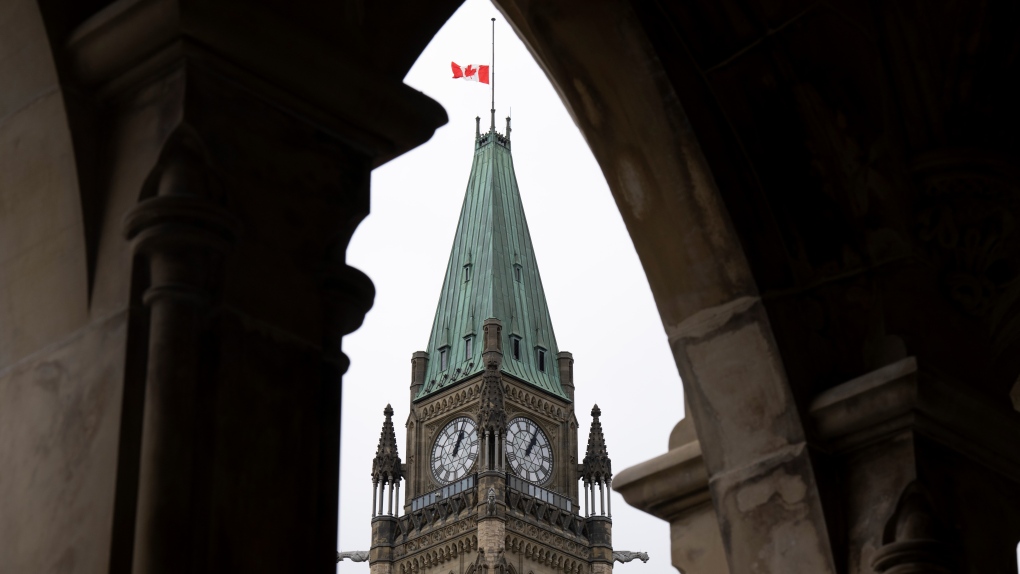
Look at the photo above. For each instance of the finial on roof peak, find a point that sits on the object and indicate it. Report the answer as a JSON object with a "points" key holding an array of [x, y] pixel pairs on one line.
{"points": [[596, 466], [386, 465]]}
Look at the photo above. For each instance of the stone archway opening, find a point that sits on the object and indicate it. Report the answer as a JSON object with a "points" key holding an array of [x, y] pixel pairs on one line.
{"points": [[611, 325]]}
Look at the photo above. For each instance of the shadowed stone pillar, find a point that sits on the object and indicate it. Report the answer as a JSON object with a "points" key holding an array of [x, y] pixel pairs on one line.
{"points": [[183, 234], [242, 156]]}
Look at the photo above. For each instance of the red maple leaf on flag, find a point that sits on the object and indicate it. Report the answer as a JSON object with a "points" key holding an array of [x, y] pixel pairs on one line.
{"points": [[471, 73]]}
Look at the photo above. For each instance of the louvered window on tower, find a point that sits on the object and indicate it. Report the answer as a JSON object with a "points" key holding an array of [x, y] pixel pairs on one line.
{"points": [[444, 358], [467, 346], [517, 273], [540, 352], [467, 272], [515, 348]]}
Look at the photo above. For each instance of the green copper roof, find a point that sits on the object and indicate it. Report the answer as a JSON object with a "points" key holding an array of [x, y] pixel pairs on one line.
{"points": [[482, 281]]}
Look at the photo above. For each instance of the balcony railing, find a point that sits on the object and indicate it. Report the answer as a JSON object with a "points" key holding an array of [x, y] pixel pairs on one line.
{"points": [[451, 502], [452, 489], [539, 493], [542, 505]]}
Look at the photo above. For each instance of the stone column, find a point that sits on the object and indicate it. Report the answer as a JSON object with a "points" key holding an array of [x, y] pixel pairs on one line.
{"points": [[183, 235], [491, 512], [239, 444]]}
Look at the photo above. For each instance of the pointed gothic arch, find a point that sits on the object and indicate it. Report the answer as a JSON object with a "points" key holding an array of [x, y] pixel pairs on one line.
{"points": [[663, 177]]}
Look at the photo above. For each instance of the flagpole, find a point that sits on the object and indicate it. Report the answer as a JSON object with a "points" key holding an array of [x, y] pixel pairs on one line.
{"points": [[492, 78]]}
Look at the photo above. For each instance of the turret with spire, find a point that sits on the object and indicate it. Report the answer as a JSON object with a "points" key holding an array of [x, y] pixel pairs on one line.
{"points": [[386, 467], [597, 469]]}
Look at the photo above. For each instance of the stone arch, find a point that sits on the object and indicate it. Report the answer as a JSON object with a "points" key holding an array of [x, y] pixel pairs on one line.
{"points": [[661, 181], [702, 283], [33, 116]]}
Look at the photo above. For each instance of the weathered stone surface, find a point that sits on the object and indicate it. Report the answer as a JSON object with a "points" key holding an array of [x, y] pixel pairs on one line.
{"points": [[40, 241], [816, 190], [25, 59], [58, 448]]}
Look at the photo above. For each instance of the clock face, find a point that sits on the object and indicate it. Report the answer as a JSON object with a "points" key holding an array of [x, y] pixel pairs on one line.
{"points": [[528, 451], [455, 450]]}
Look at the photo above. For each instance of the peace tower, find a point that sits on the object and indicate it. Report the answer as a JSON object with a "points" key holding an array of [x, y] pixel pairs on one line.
{"points": [[492, 471]]}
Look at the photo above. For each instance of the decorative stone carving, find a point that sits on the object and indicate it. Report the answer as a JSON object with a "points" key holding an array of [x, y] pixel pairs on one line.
{"points": [[534, 402], [491, 412], [460, 399], [386, 466], [437, 556], [355, 556], [597, 468], [490, 504], [572, 563], [624, 556], [967, 221]]}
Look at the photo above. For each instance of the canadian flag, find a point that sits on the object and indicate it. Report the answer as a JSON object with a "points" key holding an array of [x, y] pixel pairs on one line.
{"points": [[470, 73]]}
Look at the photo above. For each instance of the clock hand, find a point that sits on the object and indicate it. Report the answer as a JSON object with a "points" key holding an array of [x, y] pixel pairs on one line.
{"points": [[456, 447], [531, 445]]}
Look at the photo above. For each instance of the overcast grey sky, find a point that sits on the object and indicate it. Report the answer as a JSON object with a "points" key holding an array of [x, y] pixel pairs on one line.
{"points": [[602, 309]]}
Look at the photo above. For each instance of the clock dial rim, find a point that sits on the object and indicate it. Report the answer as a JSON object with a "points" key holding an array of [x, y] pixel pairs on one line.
{"points": [[515, 463], [472, 457]]}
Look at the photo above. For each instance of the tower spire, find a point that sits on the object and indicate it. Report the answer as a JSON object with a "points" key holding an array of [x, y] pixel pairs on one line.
{"points": [[386, 467], [596, 467], [503, 283]]}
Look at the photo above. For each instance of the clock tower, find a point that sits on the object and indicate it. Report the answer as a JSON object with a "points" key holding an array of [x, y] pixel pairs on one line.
{"points": [[492, 480]]}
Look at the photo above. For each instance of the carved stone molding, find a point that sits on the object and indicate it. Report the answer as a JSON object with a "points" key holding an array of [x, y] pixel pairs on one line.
{"points": [[913, 540], [127, 42], [898, 397], [455, 401], [534, 402], [556, 558], [434, 556], [409, 524], [540, 535]]}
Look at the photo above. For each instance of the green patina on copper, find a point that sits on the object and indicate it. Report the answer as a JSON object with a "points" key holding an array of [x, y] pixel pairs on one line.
{"points": [[481, 281]]}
